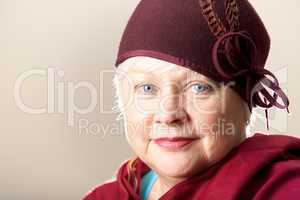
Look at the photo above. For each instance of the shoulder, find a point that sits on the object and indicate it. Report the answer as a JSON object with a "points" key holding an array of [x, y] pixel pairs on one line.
{"points": [[271, 164], [102, 191], [110, 189], [261, 140], [282, 181]]}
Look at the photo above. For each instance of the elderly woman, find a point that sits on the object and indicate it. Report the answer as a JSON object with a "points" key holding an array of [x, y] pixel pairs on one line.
{"points": [[188, 74]]}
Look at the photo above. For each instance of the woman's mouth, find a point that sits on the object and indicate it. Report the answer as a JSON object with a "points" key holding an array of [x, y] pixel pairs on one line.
{"points": [[173, 144]]}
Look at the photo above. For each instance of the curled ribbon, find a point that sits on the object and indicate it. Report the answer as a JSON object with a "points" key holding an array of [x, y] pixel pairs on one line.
{"points": [[229, 45]]}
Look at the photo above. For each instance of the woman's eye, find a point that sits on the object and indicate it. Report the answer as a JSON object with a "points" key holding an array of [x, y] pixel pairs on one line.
{"points": [[147, 89], [199, 88]]}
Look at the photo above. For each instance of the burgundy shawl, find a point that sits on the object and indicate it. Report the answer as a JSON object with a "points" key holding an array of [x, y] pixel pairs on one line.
{"points": [[262, 167]]}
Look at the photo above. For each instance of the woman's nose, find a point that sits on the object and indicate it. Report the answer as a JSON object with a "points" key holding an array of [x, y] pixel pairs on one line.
{"points": [[171, 110]]}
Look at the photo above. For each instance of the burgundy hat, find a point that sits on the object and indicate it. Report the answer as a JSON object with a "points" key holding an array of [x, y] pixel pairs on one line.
{"points": [[224, 40]]}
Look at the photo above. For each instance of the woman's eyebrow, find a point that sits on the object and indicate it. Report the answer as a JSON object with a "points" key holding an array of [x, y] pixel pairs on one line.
{"points": [[142, 70], [196, 76], [138, 74], [186, 76]]}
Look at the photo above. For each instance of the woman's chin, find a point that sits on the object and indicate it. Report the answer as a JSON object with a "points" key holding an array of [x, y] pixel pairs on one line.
{"points": [[175, 164], [175, 169]]}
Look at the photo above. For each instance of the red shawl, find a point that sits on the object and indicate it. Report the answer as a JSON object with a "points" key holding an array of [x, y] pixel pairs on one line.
{"points": [[262, 167]]}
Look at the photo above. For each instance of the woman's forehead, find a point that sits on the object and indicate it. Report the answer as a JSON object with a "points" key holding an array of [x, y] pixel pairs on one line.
{"points": [[156, 67]]}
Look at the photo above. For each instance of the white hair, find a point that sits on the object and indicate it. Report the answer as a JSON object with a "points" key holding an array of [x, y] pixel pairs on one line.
{"points": [[148, 64]]}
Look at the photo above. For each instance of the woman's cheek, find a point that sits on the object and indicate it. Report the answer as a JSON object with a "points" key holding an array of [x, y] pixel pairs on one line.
{"points": [[137, 138], [205, 114], [138, 125], [203, 104]]}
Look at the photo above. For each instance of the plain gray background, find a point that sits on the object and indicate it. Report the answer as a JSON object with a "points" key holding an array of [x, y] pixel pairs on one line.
{"points": [[41, 155]]}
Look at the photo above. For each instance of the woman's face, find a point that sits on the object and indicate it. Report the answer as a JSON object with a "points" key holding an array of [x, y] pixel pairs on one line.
{"points": [[177, 121]]}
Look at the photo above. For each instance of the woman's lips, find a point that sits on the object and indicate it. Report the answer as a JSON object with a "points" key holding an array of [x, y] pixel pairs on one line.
{"points": [[173, 144]]}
